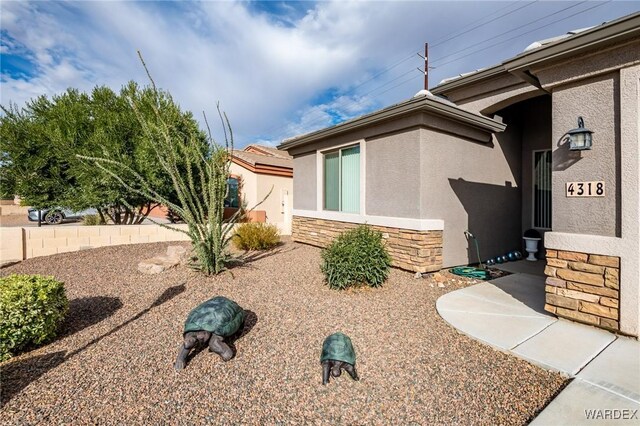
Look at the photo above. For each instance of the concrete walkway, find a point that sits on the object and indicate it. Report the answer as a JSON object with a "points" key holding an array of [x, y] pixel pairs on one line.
{"points": [[508, 314]]}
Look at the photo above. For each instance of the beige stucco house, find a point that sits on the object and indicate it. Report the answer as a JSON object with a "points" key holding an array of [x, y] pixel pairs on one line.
{"points": [[255, 171], [488, 152]]}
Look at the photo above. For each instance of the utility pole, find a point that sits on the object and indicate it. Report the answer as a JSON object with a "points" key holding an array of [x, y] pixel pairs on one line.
{"points": [[426, 66]]}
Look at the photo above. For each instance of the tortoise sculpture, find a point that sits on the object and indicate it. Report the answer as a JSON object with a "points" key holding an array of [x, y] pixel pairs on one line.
{"points": [[338, 354], [211, 322]]}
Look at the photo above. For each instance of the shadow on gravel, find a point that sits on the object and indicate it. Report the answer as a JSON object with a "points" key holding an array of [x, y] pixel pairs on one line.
{"points": [[250, 321], [87, 311], [248, 257], [167, 295], [17, 375], [83, 313]]}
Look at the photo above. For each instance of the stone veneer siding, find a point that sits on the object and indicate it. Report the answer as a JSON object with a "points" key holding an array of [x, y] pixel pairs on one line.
{"points": [[583, 287], [417, 251]]}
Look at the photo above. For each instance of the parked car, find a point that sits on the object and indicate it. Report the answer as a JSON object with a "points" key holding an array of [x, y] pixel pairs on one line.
{"points": [[58, 215]]}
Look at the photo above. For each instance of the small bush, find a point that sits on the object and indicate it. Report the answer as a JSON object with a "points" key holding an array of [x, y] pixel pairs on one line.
{"points": [[31, 308], [256, 236], [356, 257], [92, 220]]}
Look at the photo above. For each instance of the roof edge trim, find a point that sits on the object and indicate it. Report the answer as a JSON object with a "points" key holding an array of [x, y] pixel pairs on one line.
{"points": [[625, 26], [422, 103]]}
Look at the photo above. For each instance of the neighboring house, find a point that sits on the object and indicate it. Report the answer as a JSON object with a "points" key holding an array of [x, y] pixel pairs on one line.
{"points": [[493, 158], [255, 171]]}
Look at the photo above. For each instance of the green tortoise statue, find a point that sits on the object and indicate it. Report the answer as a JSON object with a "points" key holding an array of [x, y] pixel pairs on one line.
{"points": [[338, 354], [211, 322]]}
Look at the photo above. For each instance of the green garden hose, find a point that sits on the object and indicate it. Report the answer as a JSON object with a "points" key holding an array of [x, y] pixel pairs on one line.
{"points": [[468, 271]]}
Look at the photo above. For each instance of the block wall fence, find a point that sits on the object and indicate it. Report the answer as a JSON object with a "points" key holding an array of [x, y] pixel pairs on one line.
{"points": [[18, 243]]}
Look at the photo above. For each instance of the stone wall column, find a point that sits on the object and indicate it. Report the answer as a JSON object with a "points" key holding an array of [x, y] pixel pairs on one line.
{"points": [[583, 287], [417, 251]]}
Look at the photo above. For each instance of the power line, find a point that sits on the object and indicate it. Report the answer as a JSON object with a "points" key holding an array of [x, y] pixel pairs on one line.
{"points": [[510, 31], [394, 65], [471, 53], [473, 22], [405, 59], [527, 32], [382, 72], [483, 24], [399, 84], [412, 55], [451, 37]]}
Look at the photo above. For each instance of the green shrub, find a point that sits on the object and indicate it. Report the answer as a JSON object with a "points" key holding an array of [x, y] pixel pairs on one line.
{"points": [[356, 257], [256, 236], [31, 308], [92, 220]]}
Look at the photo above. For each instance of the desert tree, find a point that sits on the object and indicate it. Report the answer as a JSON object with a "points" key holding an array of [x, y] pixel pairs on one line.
{"points": [[198, 172], [40, 142]]}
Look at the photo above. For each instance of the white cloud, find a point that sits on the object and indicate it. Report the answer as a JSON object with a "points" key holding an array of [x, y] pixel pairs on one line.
{"points": [[271, 78]]}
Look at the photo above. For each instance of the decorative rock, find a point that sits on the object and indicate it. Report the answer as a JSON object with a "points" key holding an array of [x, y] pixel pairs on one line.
{"points": [[439, 277], [176, 252], [440, 285], [417, 275], [156, 265]]}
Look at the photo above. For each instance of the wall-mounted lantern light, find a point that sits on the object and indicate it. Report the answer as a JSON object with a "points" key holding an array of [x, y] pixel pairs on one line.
{"points": [[580, 138]]}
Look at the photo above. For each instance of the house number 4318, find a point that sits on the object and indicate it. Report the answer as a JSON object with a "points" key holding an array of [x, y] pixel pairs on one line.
{"points": [[585, 189]]}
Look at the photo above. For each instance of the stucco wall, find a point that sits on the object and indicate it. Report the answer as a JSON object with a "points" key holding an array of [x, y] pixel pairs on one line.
{"points": [[305, 163], [627, 245], [249, 184], [604, 61], [278, 204], [256, 186], [392, 175], [596, 100], [630, 199], [609, 104], [304, 181], [425, 168], [472, 186], [489, 96], [391, 169]]}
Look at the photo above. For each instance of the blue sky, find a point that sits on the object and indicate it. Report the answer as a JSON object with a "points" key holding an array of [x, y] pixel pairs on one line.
{"points": [[278, 68]]}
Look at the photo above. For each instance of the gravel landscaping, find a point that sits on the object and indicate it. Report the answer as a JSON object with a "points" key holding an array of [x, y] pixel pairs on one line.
{"points": [[113, 360]]}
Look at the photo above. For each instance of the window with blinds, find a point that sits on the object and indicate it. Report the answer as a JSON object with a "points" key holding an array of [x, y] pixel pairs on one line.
{"points": [[342, 180], [542, 189]]}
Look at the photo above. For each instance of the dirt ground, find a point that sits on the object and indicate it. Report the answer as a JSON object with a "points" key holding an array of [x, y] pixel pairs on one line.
{"points": [[112, 362]]}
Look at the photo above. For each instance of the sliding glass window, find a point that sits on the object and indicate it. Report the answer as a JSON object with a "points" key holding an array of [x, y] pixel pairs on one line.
{"points": [[342, 180]]}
